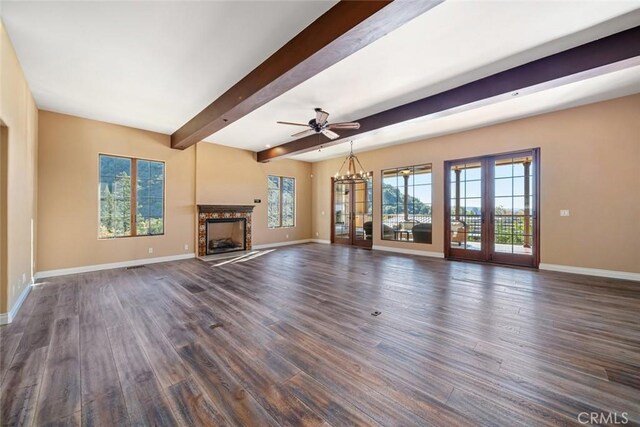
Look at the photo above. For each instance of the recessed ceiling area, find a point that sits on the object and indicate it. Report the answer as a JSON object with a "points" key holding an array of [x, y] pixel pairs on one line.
{"points": [[146, 64]]}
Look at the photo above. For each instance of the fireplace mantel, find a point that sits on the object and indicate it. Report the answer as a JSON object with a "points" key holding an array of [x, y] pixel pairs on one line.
{"points": [[225, 208]]}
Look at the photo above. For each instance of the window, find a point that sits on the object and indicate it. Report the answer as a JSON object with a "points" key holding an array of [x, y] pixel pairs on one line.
{"points": [[118, 196], [406, 204], [281, 203]]}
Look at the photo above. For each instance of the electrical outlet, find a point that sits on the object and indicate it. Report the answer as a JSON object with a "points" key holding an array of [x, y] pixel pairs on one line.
{"points": [[150, 250], [186, 247], [564, 212], [287, 236], [322, 212], [24, 277], [317, 234]]}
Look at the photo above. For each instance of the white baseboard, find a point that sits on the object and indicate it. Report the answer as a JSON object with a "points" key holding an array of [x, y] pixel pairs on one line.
{"points": [[97, 267], [324, 242], [613, 274], [6, 318], [277, 244], [408, 251]]}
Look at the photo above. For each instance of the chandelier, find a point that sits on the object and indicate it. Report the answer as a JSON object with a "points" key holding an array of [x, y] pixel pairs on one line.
{"points": [[351, 173]]}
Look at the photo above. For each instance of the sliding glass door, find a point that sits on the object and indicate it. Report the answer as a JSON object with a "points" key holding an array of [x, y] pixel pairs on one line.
{"points": [[491, 209]]}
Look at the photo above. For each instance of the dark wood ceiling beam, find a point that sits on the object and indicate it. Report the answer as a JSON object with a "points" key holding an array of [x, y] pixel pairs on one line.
{"points": [[595, 57], [342, 30]]}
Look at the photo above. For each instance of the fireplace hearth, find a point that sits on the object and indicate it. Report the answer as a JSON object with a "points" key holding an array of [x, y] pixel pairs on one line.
{"points": [[223, 228]]}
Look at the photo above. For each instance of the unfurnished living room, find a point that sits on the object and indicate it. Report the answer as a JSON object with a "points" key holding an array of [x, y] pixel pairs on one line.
{"points": [[320, 213]]}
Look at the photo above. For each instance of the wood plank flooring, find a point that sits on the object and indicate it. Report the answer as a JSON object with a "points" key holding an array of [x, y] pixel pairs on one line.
{"points": [[287, 339]]}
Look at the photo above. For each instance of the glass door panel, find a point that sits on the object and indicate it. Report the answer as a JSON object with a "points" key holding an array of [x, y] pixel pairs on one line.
{"points": [[512, 215], [342, 212], [363, 224], [466, 210]]}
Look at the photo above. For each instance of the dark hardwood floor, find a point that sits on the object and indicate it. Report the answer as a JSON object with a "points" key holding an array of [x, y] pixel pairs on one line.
{"points": [[287, 338]]}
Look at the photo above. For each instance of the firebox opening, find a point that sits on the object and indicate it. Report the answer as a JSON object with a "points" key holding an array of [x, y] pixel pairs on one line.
{"points": [[226, 235]]}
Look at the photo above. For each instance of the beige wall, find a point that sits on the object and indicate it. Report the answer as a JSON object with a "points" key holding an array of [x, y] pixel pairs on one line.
{"points": [[68, 193], [590, 163], [230, 176], [4, 150], [19, 114]]}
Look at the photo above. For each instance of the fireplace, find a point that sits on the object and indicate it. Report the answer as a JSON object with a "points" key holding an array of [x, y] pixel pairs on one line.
{"points": [[226, 235], [224, 228]]}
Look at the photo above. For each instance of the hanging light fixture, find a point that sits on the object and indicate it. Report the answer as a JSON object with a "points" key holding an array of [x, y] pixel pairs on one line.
{"points": [[354, 171]]}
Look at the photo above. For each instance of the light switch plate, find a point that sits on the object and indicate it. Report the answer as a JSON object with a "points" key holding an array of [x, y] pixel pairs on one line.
{"points": [[564, 212]]}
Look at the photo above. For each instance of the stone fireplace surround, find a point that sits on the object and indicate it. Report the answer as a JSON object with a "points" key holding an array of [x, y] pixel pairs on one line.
{"points": [[206, 212]]}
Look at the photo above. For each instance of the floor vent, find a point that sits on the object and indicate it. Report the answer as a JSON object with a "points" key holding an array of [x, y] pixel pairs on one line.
{"points": [[133, 267]]}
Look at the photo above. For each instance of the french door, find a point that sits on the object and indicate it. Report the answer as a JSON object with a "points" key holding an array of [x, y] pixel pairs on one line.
{"points": [[491, 208], [351, 216]]}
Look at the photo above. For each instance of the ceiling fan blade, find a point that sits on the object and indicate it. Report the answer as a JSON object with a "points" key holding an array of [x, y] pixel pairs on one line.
{"points": [[321, 117], [330, 134], [345, 125], [304, 133], [293, 124]]}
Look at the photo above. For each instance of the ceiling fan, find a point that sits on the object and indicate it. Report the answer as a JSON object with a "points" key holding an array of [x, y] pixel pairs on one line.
{"points": [[319, 124]]}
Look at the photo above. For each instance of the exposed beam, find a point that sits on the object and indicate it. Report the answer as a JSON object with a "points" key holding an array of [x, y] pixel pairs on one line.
{"points": [[588, 60], [344, 29]]}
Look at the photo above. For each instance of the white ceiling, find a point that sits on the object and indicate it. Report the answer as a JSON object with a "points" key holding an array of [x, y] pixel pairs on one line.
{"points": [[154, 65], [147, 64], [453, 44]]}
